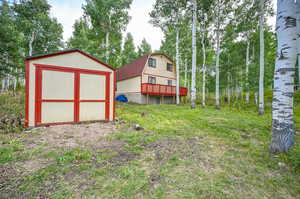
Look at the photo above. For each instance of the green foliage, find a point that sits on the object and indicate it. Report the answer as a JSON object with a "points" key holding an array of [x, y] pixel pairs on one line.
{"points": [[129, 53], [10, 41], [144, 48], [44, 31], [26, 25], [103, 37]]}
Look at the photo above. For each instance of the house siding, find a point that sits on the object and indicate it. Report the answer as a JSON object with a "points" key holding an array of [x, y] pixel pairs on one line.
{"points": [[160, 71], [132, 85]]}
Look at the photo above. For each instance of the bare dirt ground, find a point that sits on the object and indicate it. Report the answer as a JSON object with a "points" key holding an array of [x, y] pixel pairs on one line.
{"points": [[92, 137]]}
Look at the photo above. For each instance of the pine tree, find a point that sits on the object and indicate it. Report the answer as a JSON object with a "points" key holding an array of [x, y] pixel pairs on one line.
{"points": [[144, 48], [128, 54]]}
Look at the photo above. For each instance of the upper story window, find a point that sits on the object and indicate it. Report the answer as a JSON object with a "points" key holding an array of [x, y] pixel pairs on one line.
{"points": [[152, 63], [169, 67], [170, 83], [151, 80]]}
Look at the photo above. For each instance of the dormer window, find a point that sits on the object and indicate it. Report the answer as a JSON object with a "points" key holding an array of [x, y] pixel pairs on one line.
{"points": [[152, 63], [169, 67]]}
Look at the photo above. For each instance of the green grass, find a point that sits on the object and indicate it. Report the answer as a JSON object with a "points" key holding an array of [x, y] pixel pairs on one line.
{"points": [[181, 153]]}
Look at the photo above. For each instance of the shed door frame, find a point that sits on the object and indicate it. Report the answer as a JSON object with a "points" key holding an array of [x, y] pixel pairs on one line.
{"points": [[76, 100]]}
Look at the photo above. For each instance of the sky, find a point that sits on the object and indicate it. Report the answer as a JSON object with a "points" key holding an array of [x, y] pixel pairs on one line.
{"points": [[67, 11]]}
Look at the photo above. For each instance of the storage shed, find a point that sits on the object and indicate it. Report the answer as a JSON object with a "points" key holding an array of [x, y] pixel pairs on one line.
{"points": [[66, 87]]}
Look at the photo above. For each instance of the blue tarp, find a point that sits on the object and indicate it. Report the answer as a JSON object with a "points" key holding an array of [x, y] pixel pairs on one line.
{"points": [[122, 98]]}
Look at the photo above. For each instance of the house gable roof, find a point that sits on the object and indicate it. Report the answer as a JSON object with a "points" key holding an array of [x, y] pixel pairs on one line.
{"points": [[67, 52], [132, 69], [136, 67]]}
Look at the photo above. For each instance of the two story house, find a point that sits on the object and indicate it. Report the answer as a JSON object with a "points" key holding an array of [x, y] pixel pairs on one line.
{"points": [[150, 79]]}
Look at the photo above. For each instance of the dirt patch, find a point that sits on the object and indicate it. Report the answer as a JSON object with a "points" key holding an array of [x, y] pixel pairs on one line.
{"points": [[69, 136], [10, 178], [33, 165], [185, 149]]}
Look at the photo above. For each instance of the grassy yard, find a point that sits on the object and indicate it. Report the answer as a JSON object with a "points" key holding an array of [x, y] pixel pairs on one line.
{"points": [[181, 153]]}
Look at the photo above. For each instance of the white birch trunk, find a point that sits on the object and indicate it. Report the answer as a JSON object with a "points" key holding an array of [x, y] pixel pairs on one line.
{"points": [[261, 60], [218, 60], [31, 43], [185, 72], [3, 84], [283, 93], [107, 46], [298, 66], [228, 88], [177, 67], [255, 98], [204, 70], [194, 56], [247, 71]]}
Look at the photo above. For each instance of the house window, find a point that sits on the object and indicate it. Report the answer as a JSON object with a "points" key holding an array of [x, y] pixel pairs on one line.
{"points": [[151, 80], [169, 67], [169, 82], [152, 62]]}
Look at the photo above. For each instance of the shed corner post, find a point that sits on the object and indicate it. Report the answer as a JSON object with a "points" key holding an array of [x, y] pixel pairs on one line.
{"points": [[27, 64]]}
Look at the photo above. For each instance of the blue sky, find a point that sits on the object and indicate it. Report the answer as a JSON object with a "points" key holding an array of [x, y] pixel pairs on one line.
{"points": [[67, 11]]}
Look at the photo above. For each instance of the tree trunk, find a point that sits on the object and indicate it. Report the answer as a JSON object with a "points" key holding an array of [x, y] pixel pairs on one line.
{"points": [[228, 89], [247, 71], [177, 67], [107, 46], [261, 61], [255, 98], [185, 73], [194, 56], [31, 43], [299, 65], [204, 69], [3, 85], [218, 60], [283, 93]]}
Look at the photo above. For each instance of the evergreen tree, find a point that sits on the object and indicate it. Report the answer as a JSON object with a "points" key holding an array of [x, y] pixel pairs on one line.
{"points": [[144, 48], [128, 54]]}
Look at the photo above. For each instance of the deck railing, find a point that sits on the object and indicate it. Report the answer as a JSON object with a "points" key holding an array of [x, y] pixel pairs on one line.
{"points": [[158, 89]]}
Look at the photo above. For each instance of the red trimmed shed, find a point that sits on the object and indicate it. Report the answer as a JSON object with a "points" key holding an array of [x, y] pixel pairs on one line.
{"points": [[69, 86]]}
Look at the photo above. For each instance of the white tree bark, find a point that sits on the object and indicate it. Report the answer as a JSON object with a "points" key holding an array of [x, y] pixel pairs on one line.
{"points": [[261, 59], [177, 67], [15, 80], [107, 46], [255, 98], [3, 85], [31, 43], [247, 71], [194, 56], [218, 60], [228, 89], [283, 93], [204, 70], [298, 66], [185, 73]]}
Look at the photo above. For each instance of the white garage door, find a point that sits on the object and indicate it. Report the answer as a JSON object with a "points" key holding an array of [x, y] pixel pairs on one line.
{"points": [[66, 95]]}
